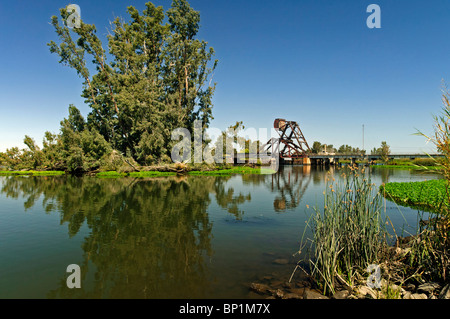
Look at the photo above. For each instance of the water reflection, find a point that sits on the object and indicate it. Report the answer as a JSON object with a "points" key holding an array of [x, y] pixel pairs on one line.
{"points": [[153, 238], [226, 198], [290, 186], [148, 239]]}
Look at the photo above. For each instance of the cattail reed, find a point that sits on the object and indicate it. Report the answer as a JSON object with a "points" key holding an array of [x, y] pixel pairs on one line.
{"points": [[348, 232]]}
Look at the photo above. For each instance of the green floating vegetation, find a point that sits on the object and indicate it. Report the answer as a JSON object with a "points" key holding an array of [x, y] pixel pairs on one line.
{"points": [[31, 173], [428, 195]]}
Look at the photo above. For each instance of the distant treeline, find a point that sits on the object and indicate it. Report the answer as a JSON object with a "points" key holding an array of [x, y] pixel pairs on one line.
{"points": [[318, 147]]}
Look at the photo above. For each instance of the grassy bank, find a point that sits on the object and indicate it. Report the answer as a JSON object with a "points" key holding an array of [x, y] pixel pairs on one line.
{"points": [[428, 195], [195, 172], [413, 167], [31, 173], [235, 170], [424, 164]]}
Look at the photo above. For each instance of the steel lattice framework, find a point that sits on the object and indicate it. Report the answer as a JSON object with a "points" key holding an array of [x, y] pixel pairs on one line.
{"points": [[291, 142]]}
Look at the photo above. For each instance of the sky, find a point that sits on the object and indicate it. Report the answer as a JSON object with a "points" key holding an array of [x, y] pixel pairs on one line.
{"points": [[315, 62]]}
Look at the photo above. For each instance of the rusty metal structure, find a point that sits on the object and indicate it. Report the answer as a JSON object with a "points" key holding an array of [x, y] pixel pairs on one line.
{"points": [[291, 143]]}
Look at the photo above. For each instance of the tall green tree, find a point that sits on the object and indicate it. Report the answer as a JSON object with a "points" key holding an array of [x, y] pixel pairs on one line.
{"points": [[82, 145], [155, 77], [347, 149], [384, 151], [316, 147]]}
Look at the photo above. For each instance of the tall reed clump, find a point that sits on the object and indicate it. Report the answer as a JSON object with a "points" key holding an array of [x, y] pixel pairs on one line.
{"points": [[430, 250], [441, 136], [349, 233]]}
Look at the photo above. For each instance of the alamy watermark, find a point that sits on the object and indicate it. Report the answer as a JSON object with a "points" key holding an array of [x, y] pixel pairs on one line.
{"points": [[74, 19], [374, 279], [74, 279], [374, 20], [223, 151]]}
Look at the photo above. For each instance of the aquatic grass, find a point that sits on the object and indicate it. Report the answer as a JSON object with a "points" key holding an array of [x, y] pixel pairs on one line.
{"points": [[348, 233], [430, 249], [441, 136]]}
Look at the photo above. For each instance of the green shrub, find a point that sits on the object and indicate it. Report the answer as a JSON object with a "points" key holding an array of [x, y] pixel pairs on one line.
{"points": [[400, 161], [425, 162]]}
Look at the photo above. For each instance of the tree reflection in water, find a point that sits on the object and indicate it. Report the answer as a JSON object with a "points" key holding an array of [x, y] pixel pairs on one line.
{"points": [[146, 238], [226, 198]]}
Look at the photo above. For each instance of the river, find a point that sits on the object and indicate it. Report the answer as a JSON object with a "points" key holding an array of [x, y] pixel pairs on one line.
{"points": [[172, 237]]}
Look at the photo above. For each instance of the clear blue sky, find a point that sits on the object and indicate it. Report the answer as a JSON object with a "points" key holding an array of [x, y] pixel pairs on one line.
{"points": [[312, 61]]}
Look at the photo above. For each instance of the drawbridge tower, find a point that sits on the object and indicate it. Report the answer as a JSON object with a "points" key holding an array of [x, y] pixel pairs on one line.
{"points": [[291, 143]]}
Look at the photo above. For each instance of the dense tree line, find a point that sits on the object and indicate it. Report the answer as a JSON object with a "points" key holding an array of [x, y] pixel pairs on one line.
{"points": [[155, 76], [384, 150], [344, 149]]}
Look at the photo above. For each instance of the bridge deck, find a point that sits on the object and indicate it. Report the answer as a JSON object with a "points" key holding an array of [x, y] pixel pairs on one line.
{"points": [[391, 156]]}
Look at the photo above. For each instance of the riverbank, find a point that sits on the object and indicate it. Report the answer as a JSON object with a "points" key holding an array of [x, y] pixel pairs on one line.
{"points": [[411, 167], [415, 267], [392, 283], [161, 171], [422, 164], [32, 173], [198, 169], [229, 171]]}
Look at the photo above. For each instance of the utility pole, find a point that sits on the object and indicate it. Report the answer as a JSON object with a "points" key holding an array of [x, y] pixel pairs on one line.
{"points": [[363, 138]]}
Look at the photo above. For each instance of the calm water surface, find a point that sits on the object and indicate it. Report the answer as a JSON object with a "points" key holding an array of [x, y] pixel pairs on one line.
{"points": [[174, 237]]}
